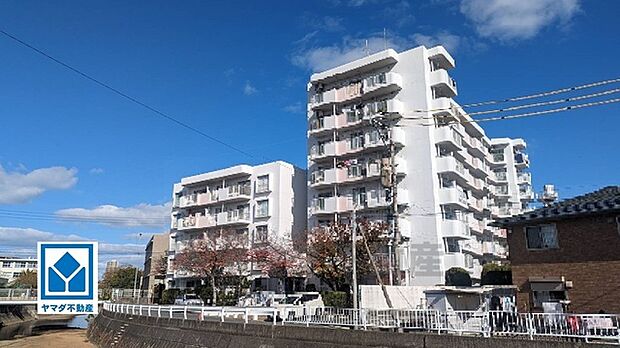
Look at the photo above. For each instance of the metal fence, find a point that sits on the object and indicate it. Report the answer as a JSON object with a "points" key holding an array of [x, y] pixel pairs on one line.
{"points": [[18, 294], [582, 327]]}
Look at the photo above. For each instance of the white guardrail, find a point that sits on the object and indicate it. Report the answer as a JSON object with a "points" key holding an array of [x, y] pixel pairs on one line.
{"points": [[585, 327]]}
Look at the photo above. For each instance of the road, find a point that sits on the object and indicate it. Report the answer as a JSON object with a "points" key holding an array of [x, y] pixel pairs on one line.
{"points": [[74, 338]]}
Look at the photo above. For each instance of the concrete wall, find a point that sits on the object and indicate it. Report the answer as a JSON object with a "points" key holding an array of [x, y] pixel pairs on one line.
{"points": [[127, 331]]}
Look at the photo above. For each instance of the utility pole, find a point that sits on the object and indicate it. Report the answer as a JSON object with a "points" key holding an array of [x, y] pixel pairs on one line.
{"points": [[388, 180], [374, 266], [354, 254], [135, 277]]}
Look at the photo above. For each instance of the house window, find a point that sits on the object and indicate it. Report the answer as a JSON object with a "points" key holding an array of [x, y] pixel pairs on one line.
{"points": [[261, 234], [541, 237], [452, 245], [262, 184], [262, 208]]}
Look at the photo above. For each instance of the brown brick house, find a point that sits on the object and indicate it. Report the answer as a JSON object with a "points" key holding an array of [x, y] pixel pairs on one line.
{"points": [[568, 253]]}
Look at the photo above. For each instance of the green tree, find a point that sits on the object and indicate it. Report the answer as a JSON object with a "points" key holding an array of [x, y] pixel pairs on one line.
{"points": [[120, 278], [26, 280], [457, 276], [494, 274]]}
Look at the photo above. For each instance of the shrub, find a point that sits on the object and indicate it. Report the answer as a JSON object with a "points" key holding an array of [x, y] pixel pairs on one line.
{"points": [[457, 276], [169, 295], [494, 274], [338, 299]]}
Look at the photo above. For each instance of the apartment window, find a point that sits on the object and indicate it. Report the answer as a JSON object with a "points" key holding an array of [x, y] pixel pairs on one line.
{"points": [[354, 115], [262, 184], [443, 152], [20, 264], [355, 171], [262, 208], [32, 265], [16, 274], [445, 182], [373, 137], [452, 245], [357, 140], [359, 196], [541, 237], [500, 174], [501, 189], [6, 264], [449, 213], [261, 234], [469, 261]]}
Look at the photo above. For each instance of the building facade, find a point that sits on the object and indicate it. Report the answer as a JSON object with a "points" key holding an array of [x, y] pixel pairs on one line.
{"points": [[155, 257], [513, 182], [12, 267], [263, 203], [390, 118], [111, 266], [566, 255]]}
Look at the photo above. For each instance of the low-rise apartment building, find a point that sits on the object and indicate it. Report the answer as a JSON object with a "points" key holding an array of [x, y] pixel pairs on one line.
{"points": [[155, 259], [12, 267], [357, 113], [263, 203], [566, 254]]}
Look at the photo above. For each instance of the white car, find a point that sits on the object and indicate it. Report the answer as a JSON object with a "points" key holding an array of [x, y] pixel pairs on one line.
{"points": [[188, 300]]}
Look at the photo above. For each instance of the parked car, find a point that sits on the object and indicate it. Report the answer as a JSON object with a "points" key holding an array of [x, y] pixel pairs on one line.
{"points": [[188, 300]]}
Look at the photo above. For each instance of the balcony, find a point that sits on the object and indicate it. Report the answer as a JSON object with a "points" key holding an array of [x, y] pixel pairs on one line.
{"points": [[451, 167], [359, 172], [449, 138], [454, 229], [524, 178], [236, 216], [488, 247], [525, 192], [472, 247], [319, 125], [323, 150], [476, 204], [441, 57], [327, 176], [521, 160], [195, 221], [384, 108], [323, 99], [443, 85], [348, 92], [376, 199], [382, 83], [476, 225], [328, 205], [452, 196], [454, 260], [236, 192], [498, 158]]}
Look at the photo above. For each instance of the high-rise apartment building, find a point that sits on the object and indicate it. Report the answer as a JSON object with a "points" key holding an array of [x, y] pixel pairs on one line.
{"points": [[155, 260], [262, 203], [513, 189], [400, 104]]}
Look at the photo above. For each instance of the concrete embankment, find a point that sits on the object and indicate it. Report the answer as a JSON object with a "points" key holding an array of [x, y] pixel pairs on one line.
{"points": [[123, 330], [22, 320]]}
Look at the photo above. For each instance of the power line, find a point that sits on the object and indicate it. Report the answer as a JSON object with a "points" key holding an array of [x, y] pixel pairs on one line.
{"points": [[550, 102], [529, 114], [27, 215], [543, 94], [126, 96]]}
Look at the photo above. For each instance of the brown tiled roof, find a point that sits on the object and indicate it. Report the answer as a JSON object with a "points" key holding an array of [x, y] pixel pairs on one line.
{"points": [[605, 200]]}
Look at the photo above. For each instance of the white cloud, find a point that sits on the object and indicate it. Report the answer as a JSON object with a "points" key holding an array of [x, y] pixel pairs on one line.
{"points": [[248, 89], [20, 187], [449, 41], [295, 108], [512, 20], [325, 57], [22, 242], [96, 171], [141, 215]]}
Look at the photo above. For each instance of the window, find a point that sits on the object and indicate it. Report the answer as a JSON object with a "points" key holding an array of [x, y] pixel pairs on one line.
{"points": [[357, 140], [261, 234], [469, 261], [262, 183], [20, 264], [32, 265], [16, 274], [374, 137], [452, 245], [262, 208], [541, 237], [355, 171], [359, 196], [6, 264], [541, 296]]}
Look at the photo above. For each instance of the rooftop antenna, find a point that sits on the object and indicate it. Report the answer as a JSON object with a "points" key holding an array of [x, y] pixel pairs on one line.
{"points": [[366, 48], [385, 45]]}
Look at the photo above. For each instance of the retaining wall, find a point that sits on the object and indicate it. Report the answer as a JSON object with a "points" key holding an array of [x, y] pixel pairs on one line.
{"points": [[124, 330]]}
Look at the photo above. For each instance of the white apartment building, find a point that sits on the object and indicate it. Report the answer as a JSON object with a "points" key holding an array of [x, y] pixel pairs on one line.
{"points": [[510, 163], [263, 202], [12, 267], [443, 161]]}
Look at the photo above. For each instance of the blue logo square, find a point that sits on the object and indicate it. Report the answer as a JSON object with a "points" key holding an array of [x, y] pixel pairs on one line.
{"points": [[66, 271]]}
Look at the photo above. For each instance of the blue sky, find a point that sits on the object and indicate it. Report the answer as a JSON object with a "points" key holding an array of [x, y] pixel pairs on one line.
{"points": [[237, 71]]}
